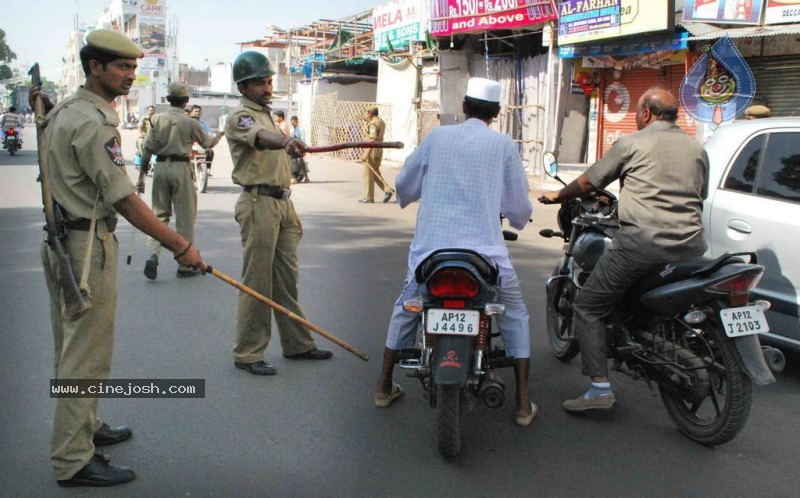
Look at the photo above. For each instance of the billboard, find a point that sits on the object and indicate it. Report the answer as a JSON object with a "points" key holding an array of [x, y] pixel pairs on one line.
{"points": [[582, 21], [152, 17], [723, 11], [464, 16], [398, 23]]}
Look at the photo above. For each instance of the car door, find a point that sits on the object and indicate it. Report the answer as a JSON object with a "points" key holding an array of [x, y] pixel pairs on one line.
{"points": [[757, 209]]}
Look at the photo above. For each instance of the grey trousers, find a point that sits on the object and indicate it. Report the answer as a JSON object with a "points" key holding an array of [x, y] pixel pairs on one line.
{"points": [[613, 276], [83, 345], [270, 233], [173, 187]]}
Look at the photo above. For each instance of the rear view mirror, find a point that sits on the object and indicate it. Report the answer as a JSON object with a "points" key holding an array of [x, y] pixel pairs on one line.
{"points": [[550, 164]]}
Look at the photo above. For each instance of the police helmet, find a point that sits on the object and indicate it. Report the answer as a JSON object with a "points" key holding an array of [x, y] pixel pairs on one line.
{"points": [[249, 65]]}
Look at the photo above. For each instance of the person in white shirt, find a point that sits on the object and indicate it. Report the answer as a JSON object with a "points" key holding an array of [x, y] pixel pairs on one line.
{"points": [[466, 176]]}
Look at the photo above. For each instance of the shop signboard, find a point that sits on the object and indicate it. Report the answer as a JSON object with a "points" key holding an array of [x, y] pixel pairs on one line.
{"points": [[582, 20], [781, 11], [398, 23], [450, 17]]}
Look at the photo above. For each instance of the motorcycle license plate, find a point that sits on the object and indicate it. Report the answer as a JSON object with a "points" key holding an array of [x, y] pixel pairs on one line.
{"points": [[747, 320], [452, 322]]}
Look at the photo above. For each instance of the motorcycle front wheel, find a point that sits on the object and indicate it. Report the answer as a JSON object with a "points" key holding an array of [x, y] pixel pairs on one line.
{"points": [[723, 412], [560, 330], [448, 418], [201, 176]]}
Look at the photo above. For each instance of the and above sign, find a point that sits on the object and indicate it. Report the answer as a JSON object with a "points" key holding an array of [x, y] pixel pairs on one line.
{"points": [[781, 11], [588, 20], [464, 16], [723, 11]]}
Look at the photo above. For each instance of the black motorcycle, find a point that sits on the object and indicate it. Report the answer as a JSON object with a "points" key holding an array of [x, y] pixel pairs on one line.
{"points": [[455, 359], [12, 142], [688, 329]]}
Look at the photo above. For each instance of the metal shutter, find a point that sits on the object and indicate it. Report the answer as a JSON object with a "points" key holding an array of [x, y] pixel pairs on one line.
{"points": [[776, 83]]}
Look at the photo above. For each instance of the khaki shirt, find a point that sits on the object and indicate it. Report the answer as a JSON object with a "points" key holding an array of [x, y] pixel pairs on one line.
{"points": [[663, 175], [84, 155], [172, 134], [375, 130], [252, 165]]}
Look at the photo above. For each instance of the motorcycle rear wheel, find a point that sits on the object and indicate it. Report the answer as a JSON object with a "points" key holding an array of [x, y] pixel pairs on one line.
{"points": [[448, 419], [563, 342], [722, 414]]}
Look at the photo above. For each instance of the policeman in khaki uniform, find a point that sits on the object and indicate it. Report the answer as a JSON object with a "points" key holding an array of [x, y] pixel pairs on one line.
{"points": [[268, 222], [170, 139], [372, 159], [89, 182]]}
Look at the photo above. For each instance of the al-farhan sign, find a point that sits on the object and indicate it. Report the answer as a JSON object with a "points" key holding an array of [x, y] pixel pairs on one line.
{"points": [[463, 16], [398, 23], [587, 20]]}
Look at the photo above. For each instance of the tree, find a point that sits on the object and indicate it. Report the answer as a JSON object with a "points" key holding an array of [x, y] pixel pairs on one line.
{"points": [[6, 55]]}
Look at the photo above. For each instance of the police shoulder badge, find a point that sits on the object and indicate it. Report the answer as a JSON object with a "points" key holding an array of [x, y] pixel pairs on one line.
{"points": [[246, 121], [114, 150]]}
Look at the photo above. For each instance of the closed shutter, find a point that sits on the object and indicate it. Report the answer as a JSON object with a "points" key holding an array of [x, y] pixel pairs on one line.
{"points": [[618, 98], [776, 83]]}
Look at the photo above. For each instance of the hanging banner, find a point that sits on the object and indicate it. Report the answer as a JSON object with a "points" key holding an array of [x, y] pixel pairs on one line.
{"points": [[464, 16], [582, 21], [398, 23], [780, 11], [724, 11]]}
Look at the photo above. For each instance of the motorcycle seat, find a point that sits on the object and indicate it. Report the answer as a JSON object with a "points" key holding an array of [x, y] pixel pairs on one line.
{"points": [[485, 267], [681, 270]]}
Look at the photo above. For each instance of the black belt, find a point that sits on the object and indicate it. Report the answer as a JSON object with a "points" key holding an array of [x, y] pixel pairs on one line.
{"points": [[84, 224], [275, 191], [176, 159]]}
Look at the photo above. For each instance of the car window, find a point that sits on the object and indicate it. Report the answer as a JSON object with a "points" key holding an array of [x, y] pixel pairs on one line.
{"points": [[742, 175], [780, 175]]}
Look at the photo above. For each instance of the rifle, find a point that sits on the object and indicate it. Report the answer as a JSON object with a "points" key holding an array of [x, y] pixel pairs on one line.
{"points": [[75, 300]]}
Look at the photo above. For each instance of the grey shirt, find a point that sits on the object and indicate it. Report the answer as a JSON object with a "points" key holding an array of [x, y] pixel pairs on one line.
{"points": [[663, 175]]}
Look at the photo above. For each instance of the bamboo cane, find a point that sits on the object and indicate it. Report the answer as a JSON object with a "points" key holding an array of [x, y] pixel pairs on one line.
{"points": [[272, 304]]}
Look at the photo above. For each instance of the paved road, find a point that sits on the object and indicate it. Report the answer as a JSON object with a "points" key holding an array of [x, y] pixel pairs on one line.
{"points": [[312, 430]]}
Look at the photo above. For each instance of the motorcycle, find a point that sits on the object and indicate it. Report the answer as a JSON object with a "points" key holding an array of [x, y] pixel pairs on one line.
{"points": [[12, 141], [200, 166], [456, 361], [688, 329]]}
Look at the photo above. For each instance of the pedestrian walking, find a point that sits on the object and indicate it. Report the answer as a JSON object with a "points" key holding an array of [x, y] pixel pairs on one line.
{"points": [[170, 140]]}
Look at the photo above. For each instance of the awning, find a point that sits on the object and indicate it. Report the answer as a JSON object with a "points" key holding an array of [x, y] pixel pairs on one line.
{"points": [[703, 31]]}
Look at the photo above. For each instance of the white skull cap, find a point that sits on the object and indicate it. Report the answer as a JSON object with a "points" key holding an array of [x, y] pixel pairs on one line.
{"points": [[483, 89]]}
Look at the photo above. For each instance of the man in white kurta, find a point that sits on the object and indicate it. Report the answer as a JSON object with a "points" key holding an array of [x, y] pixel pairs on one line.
{"points": [[465, 176]]}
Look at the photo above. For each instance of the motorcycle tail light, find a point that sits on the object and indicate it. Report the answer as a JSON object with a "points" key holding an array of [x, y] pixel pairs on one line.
{"points": [[738, 287], [10, 131], [453, 283]]}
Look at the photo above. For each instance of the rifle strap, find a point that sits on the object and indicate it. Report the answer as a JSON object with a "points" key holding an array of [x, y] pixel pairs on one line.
{"points": [[87, 258]]}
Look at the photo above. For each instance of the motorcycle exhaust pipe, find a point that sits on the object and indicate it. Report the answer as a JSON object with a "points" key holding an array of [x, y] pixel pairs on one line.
{"points": [[775, 359], [492, 393]]}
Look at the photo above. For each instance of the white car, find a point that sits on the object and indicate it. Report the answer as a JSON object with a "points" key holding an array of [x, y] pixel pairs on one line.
{"points": [[753, 205]]}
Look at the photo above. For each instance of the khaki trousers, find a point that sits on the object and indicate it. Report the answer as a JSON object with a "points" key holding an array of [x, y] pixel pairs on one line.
{"points": [[83, 344], [370, 179], [270, 233], [173, 188]]}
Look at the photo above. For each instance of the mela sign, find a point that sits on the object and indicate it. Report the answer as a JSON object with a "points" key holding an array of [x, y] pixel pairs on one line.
{"points": [[398, 23]]}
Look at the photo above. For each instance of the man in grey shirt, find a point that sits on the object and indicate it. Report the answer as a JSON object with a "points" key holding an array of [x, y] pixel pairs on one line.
{"points": [[663, 175]]}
